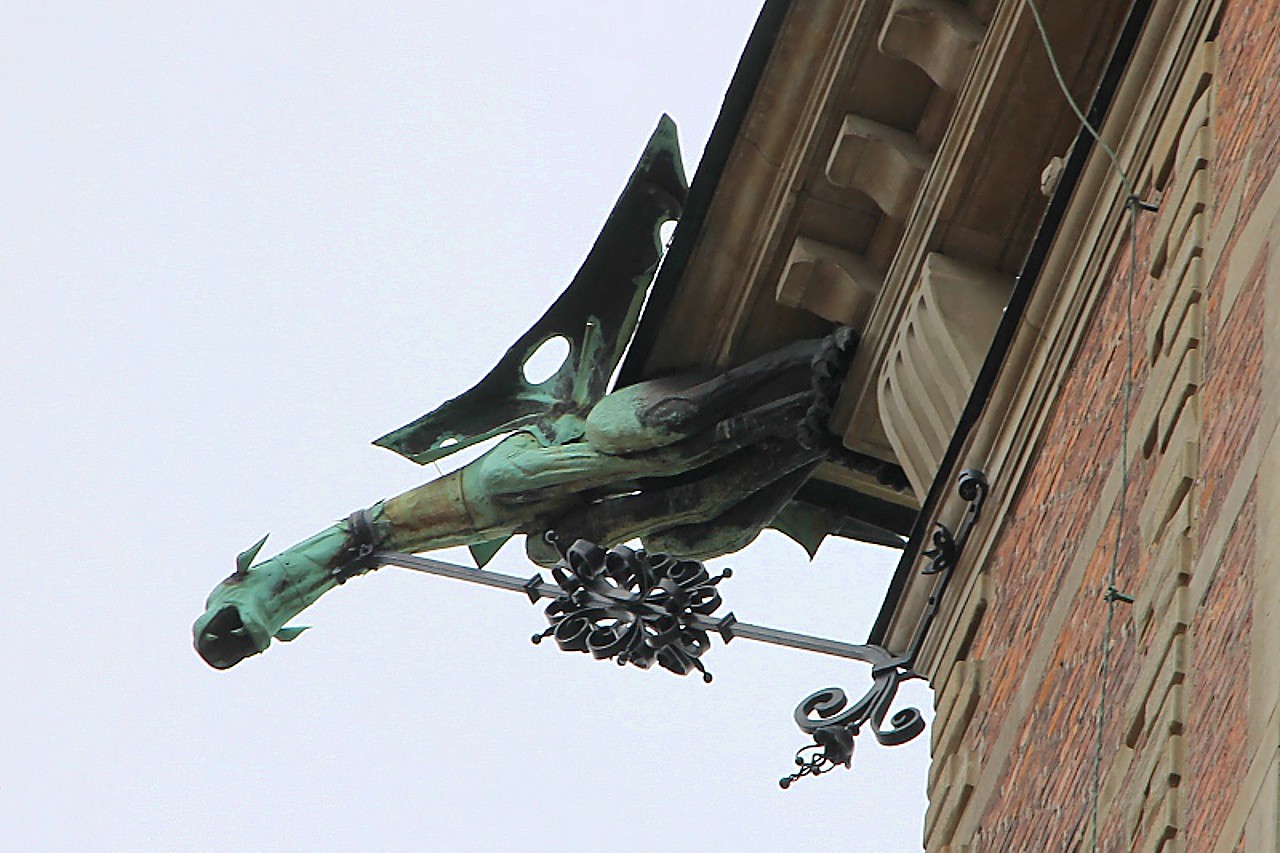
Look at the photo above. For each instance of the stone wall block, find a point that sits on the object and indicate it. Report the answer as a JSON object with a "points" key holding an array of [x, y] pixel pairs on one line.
{"points": [[1164, 666], [1174, 476], [954, 790], [1189, 193], [954, 710], [1183, 285], [1188, 109], [1168, 569]]}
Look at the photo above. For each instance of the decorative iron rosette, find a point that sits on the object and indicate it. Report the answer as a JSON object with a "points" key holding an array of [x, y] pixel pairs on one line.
{"points": [[631, 606]]}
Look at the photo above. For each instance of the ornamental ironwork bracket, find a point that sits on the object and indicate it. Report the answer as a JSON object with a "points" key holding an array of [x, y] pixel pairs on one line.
{"points": [[824, 714], [640, 608]]}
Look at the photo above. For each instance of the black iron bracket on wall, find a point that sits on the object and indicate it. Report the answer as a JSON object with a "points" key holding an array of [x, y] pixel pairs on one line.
{"points": [[827, 716], [638, 608]]}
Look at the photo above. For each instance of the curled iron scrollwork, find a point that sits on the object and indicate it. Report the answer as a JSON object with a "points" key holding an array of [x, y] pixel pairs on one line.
{"points": [[827, 715], [833, 723], [631, 606]]}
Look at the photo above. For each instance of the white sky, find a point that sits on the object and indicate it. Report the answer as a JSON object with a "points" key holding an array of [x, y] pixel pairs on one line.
{"points": [[239, 241]]}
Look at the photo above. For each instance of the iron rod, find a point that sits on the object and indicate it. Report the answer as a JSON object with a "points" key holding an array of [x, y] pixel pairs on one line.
{"points": [[873, 655], [463, 573], [805, 642]]}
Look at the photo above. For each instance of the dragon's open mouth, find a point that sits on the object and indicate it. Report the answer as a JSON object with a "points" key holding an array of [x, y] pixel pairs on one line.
{"points": [[225, 641]]}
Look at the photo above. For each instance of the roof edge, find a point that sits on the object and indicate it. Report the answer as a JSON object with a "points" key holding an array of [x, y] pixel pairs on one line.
{"points": [[706, 179]]}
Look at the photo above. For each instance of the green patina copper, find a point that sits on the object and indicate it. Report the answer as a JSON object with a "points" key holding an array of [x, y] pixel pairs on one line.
{"points": [[248, 609], [692, 465], [596, 314]]}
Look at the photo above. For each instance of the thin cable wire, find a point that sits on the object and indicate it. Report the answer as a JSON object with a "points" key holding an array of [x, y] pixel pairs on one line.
{"points": [[1112, 595], [1071, 102]]}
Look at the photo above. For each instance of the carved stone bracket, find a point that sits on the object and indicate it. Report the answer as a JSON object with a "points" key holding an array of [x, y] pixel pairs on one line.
{"points": [[938, 36], [882, 162]]}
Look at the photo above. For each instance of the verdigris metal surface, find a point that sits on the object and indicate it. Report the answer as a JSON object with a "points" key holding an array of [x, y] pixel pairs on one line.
{"points": [[596, 315], [690, 467], [694, 465]]}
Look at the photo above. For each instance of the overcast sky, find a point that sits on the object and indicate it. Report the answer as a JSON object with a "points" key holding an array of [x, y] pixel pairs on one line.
{"points": [[239, 241]]}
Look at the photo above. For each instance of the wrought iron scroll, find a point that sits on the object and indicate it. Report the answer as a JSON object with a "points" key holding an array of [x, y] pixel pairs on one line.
{"points": [[637, 608], [827, 716]]}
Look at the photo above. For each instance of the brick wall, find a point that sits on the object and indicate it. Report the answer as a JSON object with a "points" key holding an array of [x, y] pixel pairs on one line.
{"points": [[1176, 715]]}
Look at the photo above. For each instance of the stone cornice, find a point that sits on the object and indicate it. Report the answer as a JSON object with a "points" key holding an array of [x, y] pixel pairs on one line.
{"points": [[756, 191], [1010, 60], [1089, 239]]}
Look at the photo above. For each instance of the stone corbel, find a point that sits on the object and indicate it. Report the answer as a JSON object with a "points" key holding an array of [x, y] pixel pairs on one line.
{"points": [[830, 282], [884, 163], [938, 36]]}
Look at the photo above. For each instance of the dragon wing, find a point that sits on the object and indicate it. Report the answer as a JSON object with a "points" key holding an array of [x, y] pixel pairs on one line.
{"points": [[809, 525], [596, 314]]}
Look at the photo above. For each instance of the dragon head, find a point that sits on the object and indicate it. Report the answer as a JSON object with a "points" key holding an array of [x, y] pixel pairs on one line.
{"points": [[250, 608]]}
